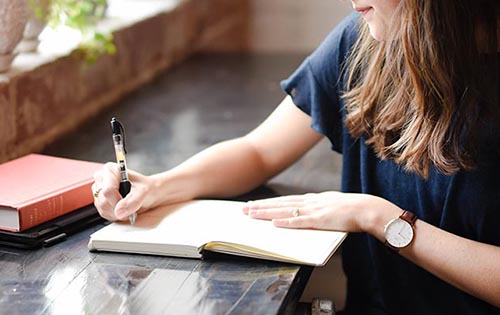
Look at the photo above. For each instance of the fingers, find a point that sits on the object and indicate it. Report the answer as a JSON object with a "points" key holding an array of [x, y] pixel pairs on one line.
{"points": [[282, 199], [295, 218], [105, 189], [277, 208], [287, 217], [301, 222], [295, 211], [285, 203], [110, 176], [129, 204], [277, 213]]}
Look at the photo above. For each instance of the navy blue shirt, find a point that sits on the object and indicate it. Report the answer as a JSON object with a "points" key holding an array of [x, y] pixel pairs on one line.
{"points": [[381, 281]]}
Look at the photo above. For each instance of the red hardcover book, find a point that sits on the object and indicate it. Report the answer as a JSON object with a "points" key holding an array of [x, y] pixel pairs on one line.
{"points": [[36, 188]]}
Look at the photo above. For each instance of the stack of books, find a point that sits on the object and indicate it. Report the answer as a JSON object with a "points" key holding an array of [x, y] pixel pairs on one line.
{"points": [[36, 189]]}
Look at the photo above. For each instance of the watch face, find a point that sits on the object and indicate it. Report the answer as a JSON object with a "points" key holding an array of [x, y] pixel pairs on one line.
{"points": [[398, 233]]}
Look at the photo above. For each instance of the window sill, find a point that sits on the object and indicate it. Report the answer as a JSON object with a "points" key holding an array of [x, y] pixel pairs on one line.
{"points": [[51, 92]]}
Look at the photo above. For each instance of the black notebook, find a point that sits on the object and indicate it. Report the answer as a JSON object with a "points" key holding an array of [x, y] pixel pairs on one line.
{"points": [[54, 231]]}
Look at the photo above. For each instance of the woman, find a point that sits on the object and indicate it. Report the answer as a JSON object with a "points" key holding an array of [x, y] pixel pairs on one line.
{"points": [[408, 92]]}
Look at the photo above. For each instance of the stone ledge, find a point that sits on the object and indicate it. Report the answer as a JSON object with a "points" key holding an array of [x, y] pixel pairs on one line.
{"points": [[39, 104]]}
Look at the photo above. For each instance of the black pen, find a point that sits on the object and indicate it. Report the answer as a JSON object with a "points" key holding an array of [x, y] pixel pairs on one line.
{"points": [[120, 151]]}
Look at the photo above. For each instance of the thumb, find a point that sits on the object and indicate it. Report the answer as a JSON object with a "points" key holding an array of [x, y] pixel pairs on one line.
{"points": [[128, 205]]}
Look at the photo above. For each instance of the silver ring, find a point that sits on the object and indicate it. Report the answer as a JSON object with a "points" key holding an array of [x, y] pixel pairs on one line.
{"points": [[296, 212], [96, 192]]}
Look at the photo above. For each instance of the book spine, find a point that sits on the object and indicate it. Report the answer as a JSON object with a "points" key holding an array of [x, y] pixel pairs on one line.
{"points": [[54, 206]]}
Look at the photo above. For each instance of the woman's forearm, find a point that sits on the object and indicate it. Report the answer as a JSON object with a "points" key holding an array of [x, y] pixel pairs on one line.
{"points": [[236, 166], [226, 169], [471, 266]]}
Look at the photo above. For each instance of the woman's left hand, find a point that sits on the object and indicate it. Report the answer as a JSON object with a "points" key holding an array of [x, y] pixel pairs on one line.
{"points": [[331, 210]]}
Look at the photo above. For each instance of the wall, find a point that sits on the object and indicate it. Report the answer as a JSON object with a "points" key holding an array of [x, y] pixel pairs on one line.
{"points": [[293, 25]]}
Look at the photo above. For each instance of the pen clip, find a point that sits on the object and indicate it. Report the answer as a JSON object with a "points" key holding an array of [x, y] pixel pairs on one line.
{"points": [[118, 129]]}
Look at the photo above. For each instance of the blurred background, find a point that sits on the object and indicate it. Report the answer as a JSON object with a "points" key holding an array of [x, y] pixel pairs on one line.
{"points": [[293, 25]]}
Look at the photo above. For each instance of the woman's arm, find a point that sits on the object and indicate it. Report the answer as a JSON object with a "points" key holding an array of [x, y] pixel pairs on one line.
{"points": [[226, 169], [471, 266], [236, 166]]}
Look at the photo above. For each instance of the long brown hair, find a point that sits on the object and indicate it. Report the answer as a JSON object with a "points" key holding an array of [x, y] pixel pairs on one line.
{"points": [[421, 96]]}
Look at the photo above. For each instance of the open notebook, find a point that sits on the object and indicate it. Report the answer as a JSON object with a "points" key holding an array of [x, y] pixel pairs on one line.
{"points": [[187, 229]]}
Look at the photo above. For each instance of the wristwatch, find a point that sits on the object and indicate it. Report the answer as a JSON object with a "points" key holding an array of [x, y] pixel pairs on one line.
{"points": [[399, 232]]}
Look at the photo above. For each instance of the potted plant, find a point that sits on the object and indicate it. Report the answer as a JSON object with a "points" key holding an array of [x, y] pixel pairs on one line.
{"points": [[13, 16], [80, 15], [83, 16]]}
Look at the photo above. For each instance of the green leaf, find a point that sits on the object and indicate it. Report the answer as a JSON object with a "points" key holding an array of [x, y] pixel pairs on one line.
{"points": [[83, 16]]}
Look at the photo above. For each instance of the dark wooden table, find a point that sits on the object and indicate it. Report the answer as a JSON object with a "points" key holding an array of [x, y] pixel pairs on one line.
{"points": [[202, 101]]}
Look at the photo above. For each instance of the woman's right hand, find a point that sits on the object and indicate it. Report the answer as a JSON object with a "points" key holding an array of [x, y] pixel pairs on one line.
{"points": [[109, 202]]}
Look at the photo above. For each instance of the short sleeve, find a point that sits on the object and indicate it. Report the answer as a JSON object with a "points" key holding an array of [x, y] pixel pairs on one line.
{"points": [[316, 86]]}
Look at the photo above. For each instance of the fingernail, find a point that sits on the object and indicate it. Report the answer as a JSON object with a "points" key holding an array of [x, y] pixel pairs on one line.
{"points": [[121, 213]]}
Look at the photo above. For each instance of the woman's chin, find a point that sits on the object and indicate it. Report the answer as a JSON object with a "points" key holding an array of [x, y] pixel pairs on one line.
{"points": [[377, 34]]}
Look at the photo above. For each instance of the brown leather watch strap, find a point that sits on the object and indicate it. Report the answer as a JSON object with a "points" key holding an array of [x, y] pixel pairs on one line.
{"points": [[394, 249], [408, 217]]}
